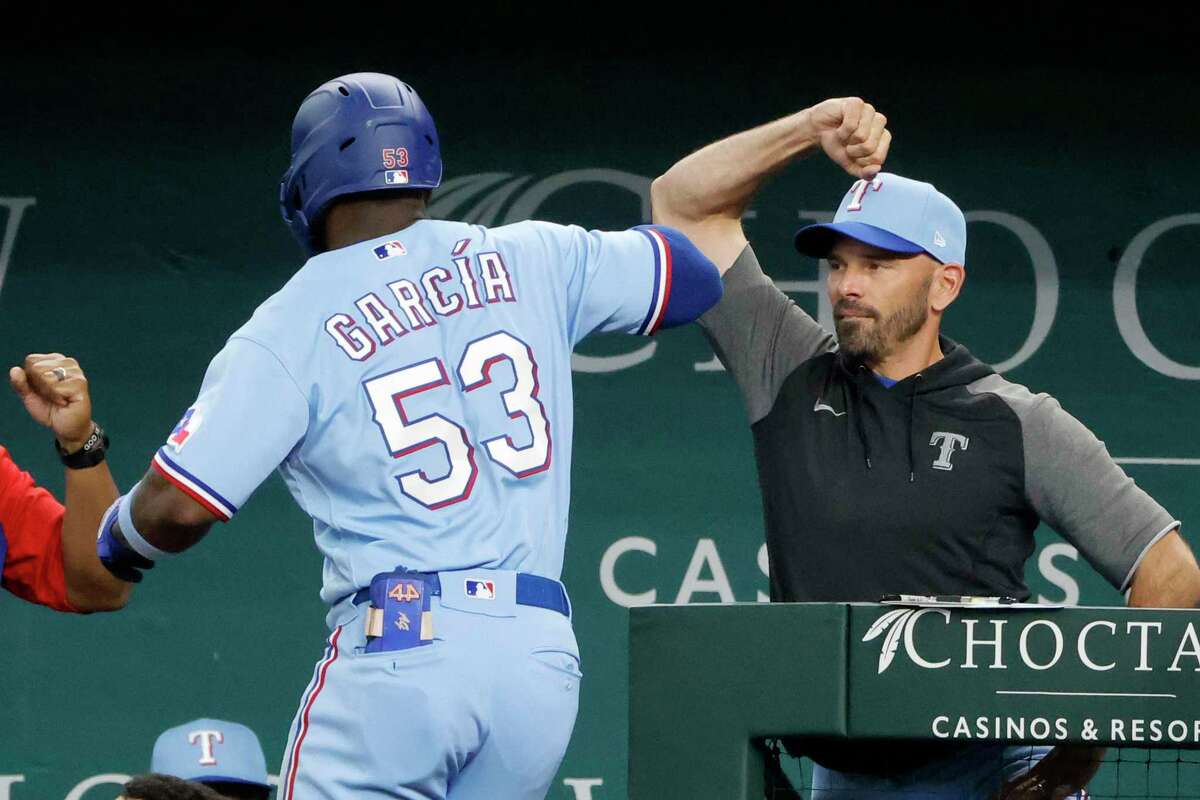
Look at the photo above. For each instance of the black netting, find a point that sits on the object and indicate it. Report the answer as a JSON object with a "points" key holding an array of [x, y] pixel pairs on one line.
{"points": [[1159, 774]]}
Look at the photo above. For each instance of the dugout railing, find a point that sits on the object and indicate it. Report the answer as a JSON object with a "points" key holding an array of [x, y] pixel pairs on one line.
{"points": [[709, 682]]}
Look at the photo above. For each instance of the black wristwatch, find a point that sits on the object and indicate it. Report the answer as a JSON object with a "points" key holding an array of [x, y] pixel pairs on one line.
{"points": [[91, 454]]}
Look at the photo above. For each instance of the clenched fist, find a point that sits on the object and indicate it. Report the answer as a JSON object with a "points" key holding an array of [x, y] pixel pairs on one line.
{"points": [[852, 133], [55, 393]]}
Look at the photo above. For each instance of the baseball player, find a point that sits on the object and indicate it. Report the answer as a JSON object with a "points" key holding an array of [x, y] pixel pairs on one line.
{"points": [[412, 384], [892, 460], [48, 551], [224, 756]]}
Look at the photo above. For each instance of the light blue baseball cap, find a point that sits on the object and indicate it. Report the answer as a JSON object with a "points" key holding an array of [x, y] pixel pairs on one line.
{"points": [[210, 751], [893, 213]]}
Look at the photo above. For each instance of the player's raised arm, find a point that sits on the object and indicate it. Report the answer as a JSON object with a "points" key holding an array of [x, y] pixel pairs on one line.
{"points": [[55, 393], [705, 194], [637, 281]]}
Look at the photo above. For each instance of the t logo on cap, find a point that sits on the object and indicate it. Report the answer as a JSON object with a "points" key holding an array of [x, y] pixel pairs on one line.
{"points": [[859, 190], [206, 739]]}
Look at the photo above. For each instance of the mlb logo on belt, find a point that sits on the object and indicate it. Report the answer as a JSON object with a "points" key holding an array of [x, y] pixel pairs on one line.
{"points": [[390, 250], [481, 590], [396, 177]]}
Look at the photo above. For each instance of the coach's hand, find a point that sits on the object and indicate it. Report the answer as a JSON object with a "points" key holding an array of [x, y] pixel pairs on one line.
{"points": [[852, 133], [1062, 773], [55, 393]]}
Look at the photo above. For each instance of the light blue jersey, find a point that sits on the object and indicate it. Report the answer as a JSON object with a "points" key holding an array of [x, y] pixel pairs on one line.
{"points": [[414, 392]]}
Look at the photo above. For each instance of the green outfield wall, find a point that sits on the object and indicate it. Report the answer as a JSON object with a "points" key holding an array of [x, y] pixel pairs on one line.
{"points": [[138, 228]]}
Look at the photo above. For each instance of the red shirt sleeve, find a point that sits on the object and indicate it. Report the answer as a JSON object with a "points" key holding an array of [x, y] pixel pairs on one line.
{"points": [[31, 526]]}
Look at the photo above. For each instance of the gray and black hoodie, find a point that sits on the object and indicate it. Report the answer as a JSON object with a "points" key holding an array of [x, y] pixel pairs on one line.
{"points": [[932, 486]]}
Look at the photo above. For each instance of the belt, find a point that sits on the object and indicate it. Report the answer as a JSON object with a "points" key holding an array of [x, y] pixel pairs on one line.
{"points": [[532, 590]]}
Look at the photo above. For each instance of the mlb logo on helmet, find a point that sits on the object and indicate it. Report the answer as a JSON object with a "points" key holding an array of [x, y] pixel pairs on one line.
{"points": [[390, 250], [182, 431], [481, 590], [396, 177]]}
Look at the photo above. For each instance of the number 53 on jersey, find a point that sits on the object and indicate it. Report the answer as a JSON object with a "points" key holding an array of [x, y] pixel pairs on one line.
{"points": [[404, 436]]}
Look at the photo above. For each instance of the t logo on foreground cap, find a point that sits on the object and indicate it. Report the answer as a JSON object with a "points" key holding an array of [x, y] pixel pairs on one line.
{"points": [[893, 213], [211, 751]]}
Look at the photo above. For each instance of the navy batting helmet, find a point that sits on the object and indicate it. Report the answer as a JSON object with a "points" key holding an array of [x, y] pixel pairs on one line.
{"points": [[363, 132]]}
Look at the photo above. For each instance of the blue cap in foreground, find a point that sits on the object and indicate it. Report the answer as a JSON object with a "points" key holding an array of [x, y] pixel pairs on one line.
{"points": [[211, 750]]}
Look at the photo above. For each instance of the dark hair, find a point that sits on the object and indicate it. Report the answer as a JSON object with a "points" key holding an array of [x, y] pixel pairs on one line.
{"points": [[166, 787], [239, 791]]}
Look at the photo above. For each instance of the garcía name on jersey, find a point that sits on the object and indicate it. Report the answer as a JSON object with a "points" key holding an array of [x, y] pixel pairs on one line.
{"points": [[404, 306]]}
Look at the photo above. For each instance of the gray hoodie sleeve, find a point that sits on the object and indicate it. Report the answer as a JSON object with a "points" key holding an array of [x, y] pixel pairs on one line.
{"points": [[760, 335], [1075, 487]]}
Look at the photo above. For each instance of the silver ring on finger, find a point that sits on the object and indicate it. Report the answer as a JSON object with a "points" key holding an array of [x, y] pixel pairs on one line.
{"points": [[59, 374]]}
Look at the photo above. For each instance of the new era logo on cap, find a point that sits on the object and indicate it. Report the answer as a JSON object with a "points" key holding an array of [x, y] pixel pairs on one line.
{"points": [[893, 213]]}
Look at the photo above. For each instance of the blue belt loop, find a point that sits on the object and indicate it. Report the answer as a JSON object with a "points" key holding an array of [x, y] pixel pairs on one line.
{"points": [[532, 590]]}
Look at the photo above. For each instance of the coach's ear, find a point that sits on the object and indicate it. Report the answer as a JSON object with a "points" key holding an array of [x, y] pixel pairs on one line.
{"points": [[948, 280]]}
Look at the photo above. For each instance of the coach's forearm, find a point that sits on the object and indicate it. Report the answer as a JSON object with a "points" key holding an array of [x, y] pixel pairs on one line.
{"points": [[90, 587], [1167, 577], [1182, 592], [719, 180]]}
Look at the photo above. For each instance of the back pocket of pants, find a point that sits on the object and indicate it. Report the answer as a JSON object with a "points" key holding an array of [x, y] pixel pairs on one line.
{"points": [[559, 660]]}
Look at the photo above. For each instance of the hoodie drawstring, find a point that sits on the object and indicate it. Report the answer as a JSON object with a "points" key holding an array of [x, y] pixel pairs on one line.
{"points": [[862, 434], [854, 407], [912, 394], [856, 412]]}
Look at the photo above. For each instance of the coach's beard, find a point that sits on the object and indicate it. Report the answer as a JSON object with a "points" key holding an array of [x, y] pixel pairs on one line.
{"points": [[869, 340]]}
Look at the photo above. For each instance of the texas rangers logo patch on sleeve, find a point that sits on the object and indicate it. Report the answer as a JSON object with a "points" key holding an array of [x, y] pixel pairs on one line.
{"points": [[390, 250], [184, 430], [481, 590]]}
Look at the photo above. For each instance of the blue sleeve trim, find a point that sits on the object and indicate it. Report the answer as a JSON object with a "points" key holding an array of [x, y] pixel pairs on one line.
{"points": [[192, 486], [661, 286], [690, 283]]}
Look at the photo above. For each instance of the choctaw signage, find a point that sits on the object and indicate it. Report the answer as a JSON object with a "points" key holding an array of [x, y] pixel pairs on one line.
{"points": [[903, 624], [1120, 676], [1038, 674]]}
